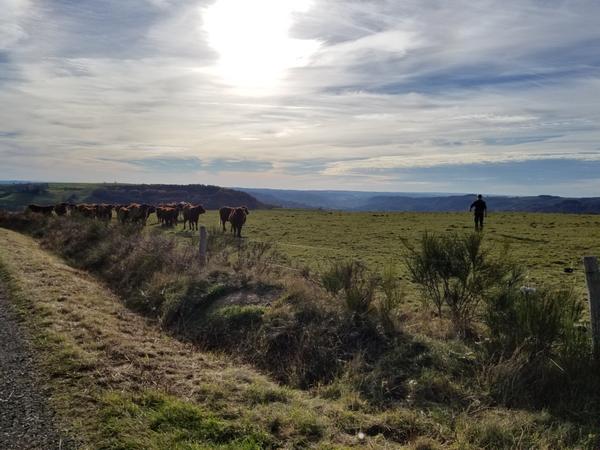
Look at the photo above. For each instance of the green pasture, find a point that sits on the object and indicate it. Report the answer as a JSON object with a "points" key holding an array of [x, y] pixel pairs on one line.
{"points": [[12, 199], [545, 244]]}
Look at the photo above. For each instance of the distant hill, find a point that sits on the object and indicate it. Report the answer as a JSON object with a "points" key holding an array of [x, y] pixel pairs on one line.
{"points": [[17, 196], [387, 201], [542, 203], [212, 197], [342, 200]]}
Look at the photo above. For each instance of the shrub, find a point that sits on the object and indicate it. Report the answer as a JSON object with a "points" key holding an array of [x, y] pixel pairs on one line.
{"points": [[540, 351], [351, 281], [456, 272], [28, 222], [540, 321]]}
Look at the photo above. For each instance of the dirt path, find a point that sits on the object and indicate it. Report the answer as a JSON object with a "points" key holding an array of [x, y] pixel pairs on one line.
{"points": [[26, 421]]}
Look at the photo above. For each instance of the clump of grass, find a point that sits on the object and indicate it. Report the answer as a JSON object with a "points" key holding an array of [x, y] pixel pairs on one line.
{"points": [[392, 296], [425, 443], [366, 295], [153, 420], [518, 429], [399, 425], [265, 395], [542, 320], [229, 327], [351, 281], [540, 351]]}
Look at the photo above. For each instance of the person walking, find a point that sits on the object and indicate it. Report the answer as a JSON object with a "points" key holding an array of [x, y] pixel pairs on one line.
{"points": [[480, 211]]}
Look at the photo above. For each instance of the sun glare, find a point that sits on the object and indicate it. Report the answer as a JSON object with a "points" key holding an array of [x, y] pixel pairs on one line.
{"points": [[253, 42]]}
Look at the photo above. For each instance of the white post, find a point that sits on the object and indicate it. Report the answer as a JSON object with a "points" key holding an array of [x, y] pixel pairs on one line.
{"points": [[592, 278], [203, 244]]}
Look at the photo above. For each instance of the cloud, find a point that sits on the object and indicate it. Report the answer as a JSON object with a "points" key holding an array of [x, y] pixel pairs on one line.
{"points": [[190, 165], [132, 91], [232, 165], [168, 165], [393, 164]]}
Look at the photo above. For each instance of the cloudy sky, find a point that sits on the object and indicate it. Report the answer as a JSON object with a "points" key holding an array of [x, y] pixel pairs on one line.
{"points": [[493, 96]]}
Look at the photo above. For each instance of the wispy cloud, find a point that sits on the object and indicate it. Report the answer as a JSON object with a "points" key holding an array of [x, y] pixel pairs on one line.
{"points": [[134, 91]]}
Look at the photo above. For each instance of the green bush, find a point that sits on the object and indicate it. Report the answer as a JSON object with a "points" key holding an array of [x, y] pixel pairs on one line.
{"points": [[456, 272], [540, 352], [539, 321]]}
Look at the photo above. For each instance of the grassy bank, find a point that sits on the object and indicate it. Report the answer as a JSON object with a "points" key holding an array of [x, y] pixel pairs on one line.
{"points": [[118, 381], [367, 369]]}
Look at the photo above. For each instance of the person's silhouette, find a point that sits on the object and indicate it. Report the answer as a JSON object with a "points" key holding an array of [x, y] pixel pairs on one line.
{"points": [[480, 211]]}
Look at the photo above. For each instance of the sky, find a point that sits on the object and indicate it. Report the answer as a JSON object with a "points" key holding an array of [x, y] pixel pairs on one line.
{"points": [[491, 96]]}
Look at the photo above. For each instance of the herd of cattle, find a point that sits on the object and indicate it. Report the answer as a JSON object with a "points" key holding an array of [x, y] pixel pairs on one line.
{"points": [[167, 214]]}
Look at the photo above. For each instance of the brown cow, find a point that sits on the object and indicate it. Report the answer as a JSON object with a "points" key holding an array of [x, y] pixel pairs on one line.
{"points": [[167, 215], [122, 213], [178, 206], [159, 213], [104, 212], [86, 210], [137, 213], [61, 209], [226, 211], [181, 206], [191, 215], [237, 218], [45, 210]]}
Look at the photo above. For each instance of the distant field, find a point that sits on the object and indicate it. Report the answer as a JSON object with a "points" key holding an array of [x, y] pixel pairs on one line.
{"points": [[11, 199], [545, 244]]}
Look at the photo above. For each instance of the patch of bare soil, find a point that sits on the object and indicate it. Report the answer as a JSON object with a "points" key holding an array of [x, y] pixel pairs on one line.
{"points": [[248, 298]]}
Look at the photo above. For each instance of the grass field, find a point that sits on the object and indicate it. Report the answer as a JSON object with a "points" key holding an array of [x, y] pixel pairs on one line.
{"points": [[546, 244]]}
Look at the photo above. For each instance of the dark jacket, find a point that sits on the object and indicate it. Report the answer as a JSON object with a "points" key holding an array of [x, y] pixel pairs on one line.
{"points": [[480, 207]]}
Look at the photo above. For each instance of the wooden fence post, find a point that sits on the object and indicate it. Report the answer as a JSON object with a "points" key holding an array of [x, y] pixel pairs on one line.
{"points": [[592, 278], [203, 244]]}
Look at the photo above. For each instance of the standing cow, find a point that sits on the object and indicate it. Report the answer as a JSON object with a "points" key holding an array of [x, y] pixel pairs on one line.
{"points": [[237, 218], [191, 215], [226, 211], [167, 215], [61, 209], [104, 212], [45, 210]]}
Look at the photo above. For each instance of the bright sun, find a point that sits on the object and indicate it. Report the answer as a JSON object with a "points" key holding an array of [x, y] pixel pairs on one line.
{"points": [[253, 42]]}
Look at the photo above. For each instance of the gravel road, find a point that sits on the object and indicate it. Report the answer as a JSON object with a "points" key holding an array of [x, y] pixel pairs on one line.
{"points": [[26, 420]]}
